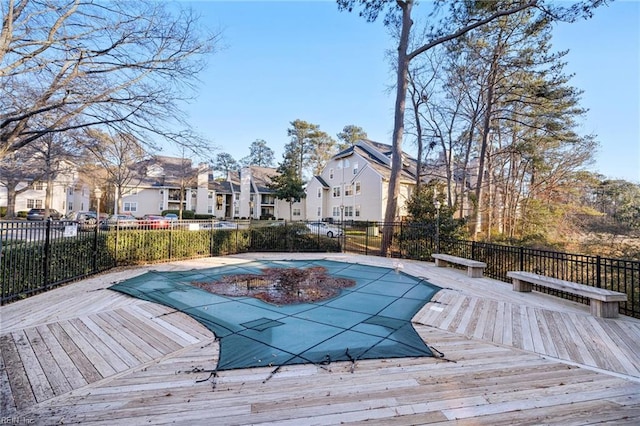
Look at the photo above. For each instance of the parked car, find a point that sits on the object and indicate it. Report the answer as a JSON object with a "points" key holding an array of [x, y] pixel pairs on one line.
{"points": [[171, 216], [85, 220], [150, 221], [322, 228], [119, 220], [38, 214]]}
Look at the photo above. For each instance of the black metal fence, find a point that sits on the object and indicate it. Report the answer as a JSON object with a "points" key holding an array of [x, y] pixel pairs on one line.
{"points": [[39, 255]]}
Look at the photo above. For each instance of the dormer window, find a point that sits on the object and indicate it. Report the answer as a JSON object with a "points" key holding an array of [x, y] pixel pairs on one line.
{"points": [[330, 173], [355, 168]]}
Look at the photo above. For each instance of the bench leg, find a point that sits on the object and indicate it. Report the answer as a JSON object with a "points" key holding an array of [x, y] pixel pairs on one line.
{"points": [[474, 272], [603, 309], [521, 286], [441, 263]]}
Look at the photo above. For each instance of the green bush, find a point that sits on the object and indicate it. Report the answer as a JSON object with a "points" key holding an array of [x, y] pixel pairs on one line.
{"points": [[204, 216], [3, 211], [22, 214], [186, 214]]}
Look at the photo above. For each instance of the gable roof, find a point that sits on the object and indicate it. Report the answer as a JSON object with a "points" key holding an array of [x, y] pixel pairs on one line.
{"points": [[379, 157]]}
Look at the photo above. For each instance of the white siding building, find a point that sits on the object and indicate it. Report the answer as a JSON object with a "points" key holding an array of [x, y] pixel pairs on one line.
{"points": [[354, 184]]}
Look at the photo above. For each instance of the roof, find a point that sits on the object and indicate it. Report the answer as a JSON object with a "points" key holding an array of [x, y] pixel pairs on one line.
{"points": [[322, 181], [379, 157], [161, 170]]}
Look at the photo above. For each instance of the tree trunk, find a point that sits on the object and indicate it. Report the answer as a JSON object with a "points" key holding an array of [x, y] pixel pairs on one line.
{"points": [[486, 130], [398, 128]]}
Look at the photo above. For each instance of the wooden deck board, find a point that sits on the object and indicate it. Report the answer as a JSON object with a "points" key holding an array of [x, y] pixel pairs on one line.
{"points": [[121, 360]]}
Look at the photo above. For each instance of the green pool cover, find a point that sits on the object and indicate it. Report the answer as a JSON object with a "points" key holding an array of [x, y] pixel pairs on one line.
{"points": [[369, 321]]}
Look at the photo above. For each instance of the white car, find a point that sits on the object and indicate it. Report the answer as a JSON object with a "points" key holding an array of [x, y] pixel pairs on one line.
{"points": [[322, 228]]}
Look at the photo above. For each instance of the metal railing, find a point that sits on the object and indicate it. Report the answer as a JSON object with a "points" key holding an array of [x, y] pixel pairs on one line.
{"points": [[37, 256]]}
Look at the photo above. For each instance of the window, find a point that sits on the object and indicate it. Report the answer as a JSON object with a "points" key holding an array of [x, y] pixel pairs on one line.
{"points": [[336, 191], [130, 207], [296, 212], [355, 168], [319, 211], [209, 209], [348, 211], [210, 194], [319, 192], [31, 204], [336, 211], [330, 173], [236, 196], [357, 211], [348, 190], [219, 202], [71, 191], [70, 206], [357, 185], [38, 186]]}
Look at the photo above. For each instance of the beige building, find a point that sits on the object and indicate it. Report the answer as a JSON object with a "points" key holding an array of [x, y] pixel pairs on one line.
{"points": [[243, 194], [69, 192]]}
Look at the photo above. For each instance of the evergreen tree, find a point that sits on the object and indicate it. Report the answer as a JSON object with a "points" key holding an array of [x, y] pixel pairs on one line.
{"points": [[259, 155], [287, 184]]}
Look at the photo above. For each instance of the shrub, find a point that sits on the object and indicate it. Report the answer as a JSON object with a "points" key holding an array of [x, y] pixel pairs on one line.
{"points": [[186, 214]]}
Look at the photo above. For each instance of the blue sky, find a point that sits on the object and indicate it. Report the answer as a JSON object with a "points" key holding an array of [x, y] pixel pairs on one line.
{"points": [[288, 60]]}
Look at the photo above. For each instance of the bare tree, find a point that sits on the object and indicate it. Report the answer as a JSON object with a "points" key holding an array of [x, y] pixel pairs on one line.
{"points": [[118, 155], [116, 65]]}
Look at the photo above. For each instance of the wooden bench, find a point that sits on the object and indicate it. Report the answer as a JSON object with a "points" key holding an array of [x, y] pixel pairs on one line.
{"points": [[603, 302], [474, 268]]}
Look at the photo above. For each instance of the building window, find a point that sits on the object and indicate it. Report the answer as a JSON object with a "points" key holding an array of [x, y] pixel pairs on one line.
{"points": [[209, 209], [348, 211], [210, 195], [130, 207], [348, 190], [296, 212], [70, 206], [336, 191], [160, 207], [236, 196], [38, 186], [219, 202], [30, 204], [357, 211], [357, 185], [319, 211], [71, 191], [319, 192], [355, 168], [336, 211], [330, 173]]}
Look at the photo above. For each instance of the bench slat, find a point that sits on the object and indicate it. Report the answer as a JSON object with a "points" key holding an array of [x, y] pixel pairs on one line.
{"points": [[569, 287], [459, 260], [603, 303], [475, 269]]}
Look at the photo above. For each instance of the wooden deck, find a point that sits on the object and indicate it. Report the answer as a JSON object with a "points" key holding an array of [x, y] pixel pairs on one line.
{"points": [[83, 354]]}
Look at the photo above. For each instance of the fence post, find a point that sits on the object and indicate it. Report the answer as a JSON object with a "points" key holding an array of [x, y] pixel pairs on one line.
{"points": [[521, 258], [366, 239], [95, 248], [598, 272], [473, 250], [211, 238], [47, 253], [171, 240]]}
